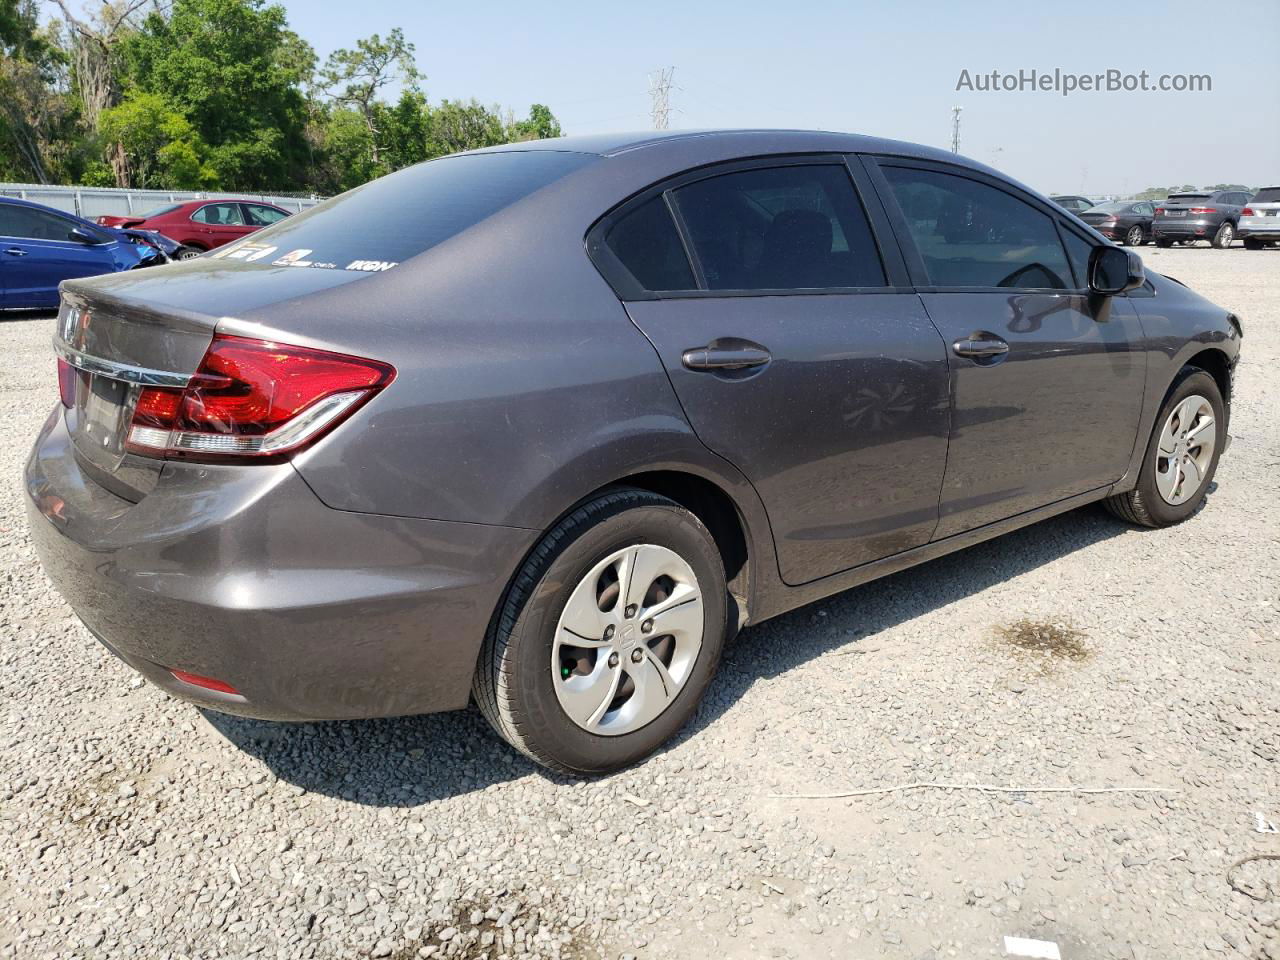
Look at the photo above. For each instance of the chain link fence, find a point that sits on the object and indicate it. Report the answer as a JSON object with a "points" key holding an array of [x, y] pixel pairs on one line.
{"points": [[91, 202]]}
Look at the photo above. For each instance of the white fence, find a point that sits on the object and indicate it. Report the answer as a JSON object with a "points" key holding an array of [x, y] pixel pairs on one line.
{"points": [[91, 202]]}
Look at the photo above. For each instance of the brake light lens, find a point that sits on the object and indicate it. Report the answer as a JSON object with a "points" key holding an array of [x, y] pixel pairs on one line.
{"points": [[66, 383], [1159, 211], [1247, 212], [254, 399], [1204, 209]]}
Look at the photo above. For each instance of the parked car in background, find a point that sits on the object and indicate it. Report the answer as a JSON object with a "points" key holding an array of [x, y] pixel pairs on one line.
{"points": [[551, 447], [40, 247], [1124, 221], [1073, 203], [1203, 215], [1259, 224], [200, 225]]}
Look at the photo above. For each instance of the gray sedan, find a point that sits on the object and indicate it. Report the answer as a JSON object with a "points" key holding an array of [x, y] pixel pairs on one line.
{"points": [[544, 424]]}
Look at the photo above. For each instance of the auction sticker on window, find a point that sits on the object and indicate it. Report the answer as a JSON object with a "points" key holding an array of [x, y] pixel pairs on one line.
{"points": [[293, 259]]}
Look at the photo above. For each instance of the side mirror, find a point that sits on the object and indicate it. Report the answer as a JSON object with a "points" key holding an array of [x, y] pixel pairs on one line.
{"points": [[1115, 270], [81, 235]]}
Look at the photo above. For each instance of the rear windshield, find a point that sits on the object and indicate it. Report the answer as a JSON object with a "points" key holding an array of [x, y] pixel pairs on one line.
{"points": [[1266, 195], [386, 221], [1110, 208], [1188, 196], [160, 211]]}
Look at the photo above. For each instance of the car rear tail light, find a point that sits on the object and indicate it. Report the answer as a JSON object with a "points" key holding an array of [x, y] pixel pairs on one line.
{"points": [[207, 683], [1204, 209], [1159, 210], [1247, 212], [66, 383], [253, 399]]}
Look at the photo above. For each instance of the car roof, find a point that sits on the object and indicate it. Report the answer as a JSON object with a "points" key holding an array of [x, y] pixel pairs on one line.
{"points": [[19, 202], [749, 140]]}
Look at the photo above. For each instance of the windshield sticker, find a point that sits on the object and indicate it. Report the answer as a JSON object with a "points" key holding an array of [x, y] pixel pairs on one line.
{"points": [[257, 253], [372, 266], [293, 259]]}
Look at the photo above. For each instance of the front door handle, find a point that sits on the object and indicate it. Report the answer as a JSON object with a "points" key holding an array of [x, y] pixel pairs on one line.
{"points": [[726, 355], [980, 347], [16, 252]]}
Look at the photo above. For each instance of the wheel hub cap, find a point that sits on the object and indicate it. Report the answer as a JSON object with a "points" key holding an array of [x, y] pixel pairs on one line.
{"points": [[627, 639], [1184, 451]]}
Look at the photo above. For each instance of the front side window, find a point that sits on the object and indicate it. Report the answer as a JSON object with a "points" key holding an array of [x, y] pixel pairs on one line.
{"points": [[263, 216], [30, 224], [780, 228], [973, 235], [219, 214]]}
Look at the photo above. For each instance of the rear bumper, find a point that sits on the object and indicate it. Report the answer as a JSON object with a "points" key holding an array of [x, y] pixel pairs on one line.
{"points": [[243, 575], [1263, 228], [1184, 228]]}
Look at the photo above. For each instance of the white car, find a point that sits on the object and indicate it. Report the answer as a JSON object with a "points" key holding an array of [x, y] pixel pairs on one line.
{"points": [[1260, 220]]}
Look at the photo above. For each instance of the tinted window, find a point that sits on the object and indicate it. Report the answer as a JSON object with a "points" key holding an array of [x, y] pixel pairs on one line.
{"points": [[780, 228], [220, 214], [1187, 197], [1267, 195], [263, 216], [973, 235], [647, 243], [1078, 249], [16, 221], [404, 213], [1110, 208], [161, 211]]}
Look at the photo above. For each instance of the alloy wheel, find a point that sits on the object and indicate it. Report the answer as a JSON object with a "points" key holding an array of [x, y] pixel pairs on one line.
{"points": [[627, 639], [1134, 239], [1184, 451]]}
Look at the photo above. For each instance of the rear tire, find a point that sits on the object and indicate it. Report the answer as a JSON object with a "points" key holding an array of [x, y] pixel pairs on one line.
{"points": [[1222, 239], [1253, 243], [187, 253], [532, 672], [1163, 244], [1145, 505], [1136, 236]]}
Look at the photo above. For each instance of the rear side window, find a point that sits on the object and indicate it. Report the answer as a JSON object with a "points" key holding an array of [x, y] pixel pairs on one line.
{"points": [[263, 216], [398, 216], [780, 228], [220, 214], [648, 245], [973, 235]]}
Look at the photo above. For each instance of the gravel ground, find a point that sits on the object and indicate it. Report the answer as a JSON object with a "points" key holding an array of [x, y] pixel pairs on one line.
{"points": [[1078, 651]]}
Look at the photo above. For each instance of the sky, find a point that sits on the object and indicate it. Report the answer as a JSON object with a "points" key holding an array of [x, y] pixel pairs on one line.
{"points": [[881, 68]]}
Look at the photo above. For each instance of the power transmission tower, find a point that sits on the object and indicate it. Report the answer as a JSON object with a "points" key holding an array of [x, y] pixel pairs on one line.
{"points": [[955, 129], [660, 94]]}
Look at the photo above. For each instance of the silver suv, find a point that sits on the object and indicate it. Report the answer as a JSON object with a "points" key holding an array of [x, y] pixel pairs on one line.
{"points": [[1260, 220]]}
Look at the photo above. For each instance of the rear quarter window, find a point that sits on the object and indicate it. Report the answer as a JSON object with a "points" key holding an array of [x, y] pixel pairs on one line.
{"points": [[401, 215]]}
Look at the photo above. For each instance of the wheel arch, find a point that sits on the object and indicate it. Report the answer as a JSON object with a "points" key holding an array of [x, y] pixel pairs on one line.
{"points": [[1215, 363]]}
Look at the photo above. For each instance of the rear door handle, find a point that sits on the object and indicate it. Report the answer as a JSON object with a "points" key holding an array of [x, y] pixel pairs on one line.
{"points": [[737, 356], [16, 252], [980, 347]]}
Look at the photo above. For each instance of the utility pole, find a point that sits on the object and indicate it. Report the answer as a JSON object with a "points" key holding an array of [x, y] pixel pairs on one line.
{"points": [[955, 129], [660, 94]]}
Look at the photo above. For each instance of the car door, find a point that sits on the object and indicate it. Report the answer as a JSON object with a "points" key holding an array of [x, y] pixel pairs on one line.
{"points": [[1046, 378], [220, 223], [796, 348], [38, 253]]}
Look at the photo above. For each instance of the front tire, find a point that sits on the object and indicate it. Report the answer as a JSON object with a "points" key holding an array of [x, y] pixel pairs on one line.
{"points": [[1226, 233], [1181, 456], [1253, 243], [608, 636], [1163, 244]]}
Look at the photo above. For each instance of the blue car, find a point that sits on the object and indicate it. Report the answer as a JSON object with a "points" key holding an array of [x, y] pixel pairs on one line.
{"points": [[40, 247]]}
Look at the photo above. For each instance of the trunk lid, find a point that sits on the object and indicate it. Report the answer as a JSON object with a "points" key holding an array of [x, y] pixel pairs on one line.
{"points": [[1178, 205], [121, 333]]}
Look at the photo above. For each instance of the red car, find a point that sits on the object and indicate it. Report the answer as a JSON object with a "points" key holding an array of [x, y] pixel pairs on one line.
{"points": [[200, 225]]}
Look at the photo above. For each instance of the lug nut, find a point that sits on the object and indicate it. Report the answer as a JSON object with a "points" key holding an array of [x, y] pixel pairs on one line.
{"points": [[646, 627], [608, 632], [637, 655], [613, 659], [631, 610]]}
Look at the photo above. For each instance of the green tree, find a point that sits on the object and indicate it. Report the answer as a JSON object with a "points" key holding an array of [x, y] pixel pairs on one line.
{"points": [[36, 114], [233, 69], [354, 78], [161, 147], [463, 126], [541, 125]]}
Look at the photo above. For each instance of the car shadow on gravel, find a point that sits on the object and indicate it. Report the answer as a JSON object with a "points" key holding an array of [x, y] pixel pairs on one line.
{"points": [[408, 761]]}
